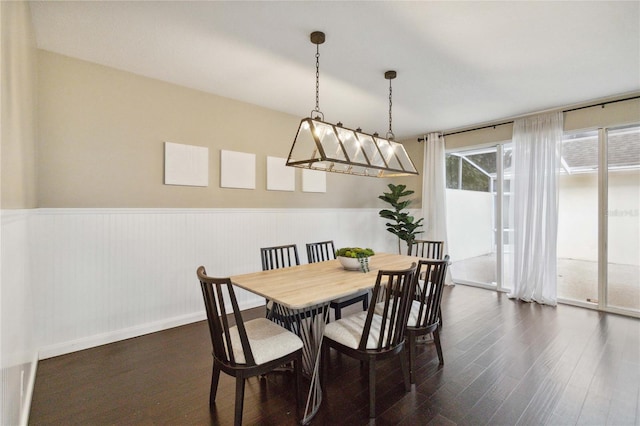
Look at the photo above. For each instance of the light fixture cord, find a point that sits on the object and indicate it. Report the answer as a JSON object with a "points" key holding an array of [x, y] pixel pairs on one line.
{"points": [[317, 78], [390, 134]]}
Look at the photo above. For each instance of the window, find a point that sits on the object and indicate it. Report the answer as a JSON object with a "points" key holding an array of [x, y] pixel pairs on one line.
{"points": [[471, 170], [591, 272]]}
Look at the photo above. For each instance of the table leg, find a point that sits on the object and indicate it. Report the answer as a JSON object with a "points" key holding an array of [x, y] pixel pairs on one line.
{"points": [[309, 325]]}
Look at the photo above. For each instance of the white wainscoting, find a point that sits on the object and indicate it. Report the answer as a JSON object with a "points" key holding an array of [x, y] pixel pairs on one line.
{"points": [[18, 348], [102, 275]]}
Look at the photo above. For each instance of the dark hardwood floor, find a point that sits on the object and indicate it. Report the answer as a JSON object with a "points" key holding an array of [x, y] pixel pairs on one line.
{"points": [[506, 363]]}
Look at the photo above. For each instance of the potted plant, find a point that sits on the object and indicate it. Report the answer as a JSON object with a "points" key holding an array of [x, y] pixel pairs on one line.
{"points": [[404, 226], [354, 258]]}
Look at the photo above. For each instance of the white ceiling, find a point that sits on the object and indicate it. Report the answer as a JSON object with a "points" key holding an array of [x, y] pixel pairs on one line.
{"points": [[458, 63]]}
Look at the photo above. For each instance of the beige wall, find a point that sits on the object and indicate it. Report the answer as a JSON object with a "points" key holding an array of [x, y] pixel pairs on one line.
{"points": [[101, 143], [102, 133], [18, 108], [613, 114]]}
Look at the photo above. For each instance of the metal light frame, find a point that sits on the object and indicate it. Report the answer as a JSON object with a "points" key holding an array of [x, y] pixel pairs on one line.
{"points": [[333, 148], [323, 146]]}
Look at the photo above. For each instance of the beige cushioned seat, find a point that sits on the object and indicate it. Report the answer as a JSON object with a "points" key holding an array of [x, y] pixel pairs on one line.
{"points": [[413, 314], [268, 341], [348, 331], [415, 309]]}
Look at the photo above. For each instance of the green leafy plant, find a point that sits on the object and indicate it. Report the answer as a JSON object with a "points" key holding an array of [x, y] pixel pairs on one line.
{"points": [[362, 254], [404, 226], [354, 252]]}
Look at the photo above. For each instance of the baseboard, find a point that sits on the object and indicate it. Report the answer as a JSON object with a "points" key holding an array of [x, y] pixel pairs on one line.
{"points": [[128, 333]]}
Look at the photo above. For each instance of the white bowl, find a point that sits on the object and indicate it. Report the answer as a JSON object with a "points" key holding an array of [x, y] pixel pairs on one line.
{"points": [[350, 263]]}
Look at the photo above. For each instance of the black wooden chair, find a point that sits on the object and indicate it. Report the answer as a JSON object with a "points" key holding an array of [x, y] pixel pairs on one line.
{"points": [[426, 249], [424, 315], [245, 349], [369, 337], [325, 250], [277, 257]]}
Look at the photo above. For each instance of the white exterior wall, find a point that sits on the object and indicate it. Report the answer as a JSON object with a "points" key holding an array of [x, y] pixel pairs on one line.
{"points": [[578, 217], [469, 223]]}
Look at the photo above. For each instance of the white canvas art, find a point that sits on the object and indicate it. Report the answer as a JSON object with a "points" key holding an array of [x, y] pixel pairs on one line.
{"points": [[314, 181], [237, 170], [186, 165], [279, 176]]}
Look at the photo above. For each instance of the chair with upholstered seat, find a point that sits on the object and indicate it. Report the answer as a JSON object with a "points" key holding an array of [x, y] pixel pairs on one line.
{"points": [[246, 349], [323, 251], [424, 315], [277, 257], [426, 249], [369, 337]]}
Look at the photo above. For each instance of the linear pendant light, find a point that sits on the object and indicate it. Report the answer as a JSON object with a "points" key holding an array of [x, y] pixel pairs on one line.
{"points": [[323, 146]]}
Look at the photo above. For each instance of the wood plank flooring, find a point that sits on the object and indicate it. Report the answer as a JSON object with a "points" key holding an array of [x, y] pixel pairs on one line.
{"points": [[506, 363]]}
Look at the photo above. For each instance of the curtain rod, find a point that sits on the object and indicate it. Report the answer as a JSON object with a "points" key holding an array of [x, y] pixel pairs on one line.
{"points": [[602, 104]]}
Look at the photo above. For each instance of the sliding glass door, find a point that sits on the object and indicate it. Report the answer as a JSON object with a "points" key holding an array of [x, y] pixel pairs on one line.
{"points": [[622, 219], [578, 219], [599, 228], [477, 193], [598, 222]]}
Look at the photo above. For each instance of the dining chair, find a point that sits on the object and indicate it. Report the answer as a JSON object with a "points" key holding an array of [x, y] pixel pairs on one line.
{"points": [[370, 337], [325, 250], [277, 257], [426, 249], [246, 349], [424, 314]]}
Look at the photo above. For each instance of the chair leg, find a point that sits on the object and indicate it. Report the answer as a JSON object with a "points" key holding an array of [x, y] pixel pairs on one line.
{"points": [[215, 377], [324, 365], [365, 302], [411, 338], [440, 318], [436, 340], [405, 371], [372, 388], [239, 400], [297, 370]]}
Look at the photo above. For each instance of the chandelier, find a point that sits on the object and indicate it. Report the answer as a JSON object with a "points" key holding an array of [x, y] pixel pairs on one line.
{"points": [[323, 146]]}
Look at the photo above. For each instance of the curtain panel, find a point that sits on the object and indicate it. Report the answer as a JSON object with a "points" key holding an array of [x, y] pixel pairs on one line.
{"points": [[537, 145], [434, 185]]}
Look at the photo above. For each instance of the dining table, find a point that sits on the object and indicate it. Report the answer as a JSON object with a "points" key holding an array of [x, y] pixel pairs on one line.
{"points": [[303, 292]]}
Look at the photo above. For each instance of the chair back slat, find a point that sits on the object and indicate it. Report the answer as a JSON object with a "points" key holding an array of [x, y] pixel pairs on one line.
{"points": [[320, 251], [279, 257], [426, 249], [214, 291], [429, 292], [394, 290], [221, 314]]}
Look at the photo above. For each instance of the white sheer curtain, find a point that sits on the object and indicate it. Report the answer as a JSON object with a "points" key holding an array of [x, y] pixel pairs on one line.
{"points": [[434, 186], [537, 145]]}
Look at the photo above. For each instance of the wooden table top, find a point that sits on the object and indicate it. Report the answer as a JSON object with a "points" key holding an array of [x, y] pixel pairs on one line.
{"points": [[303, 286]]}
